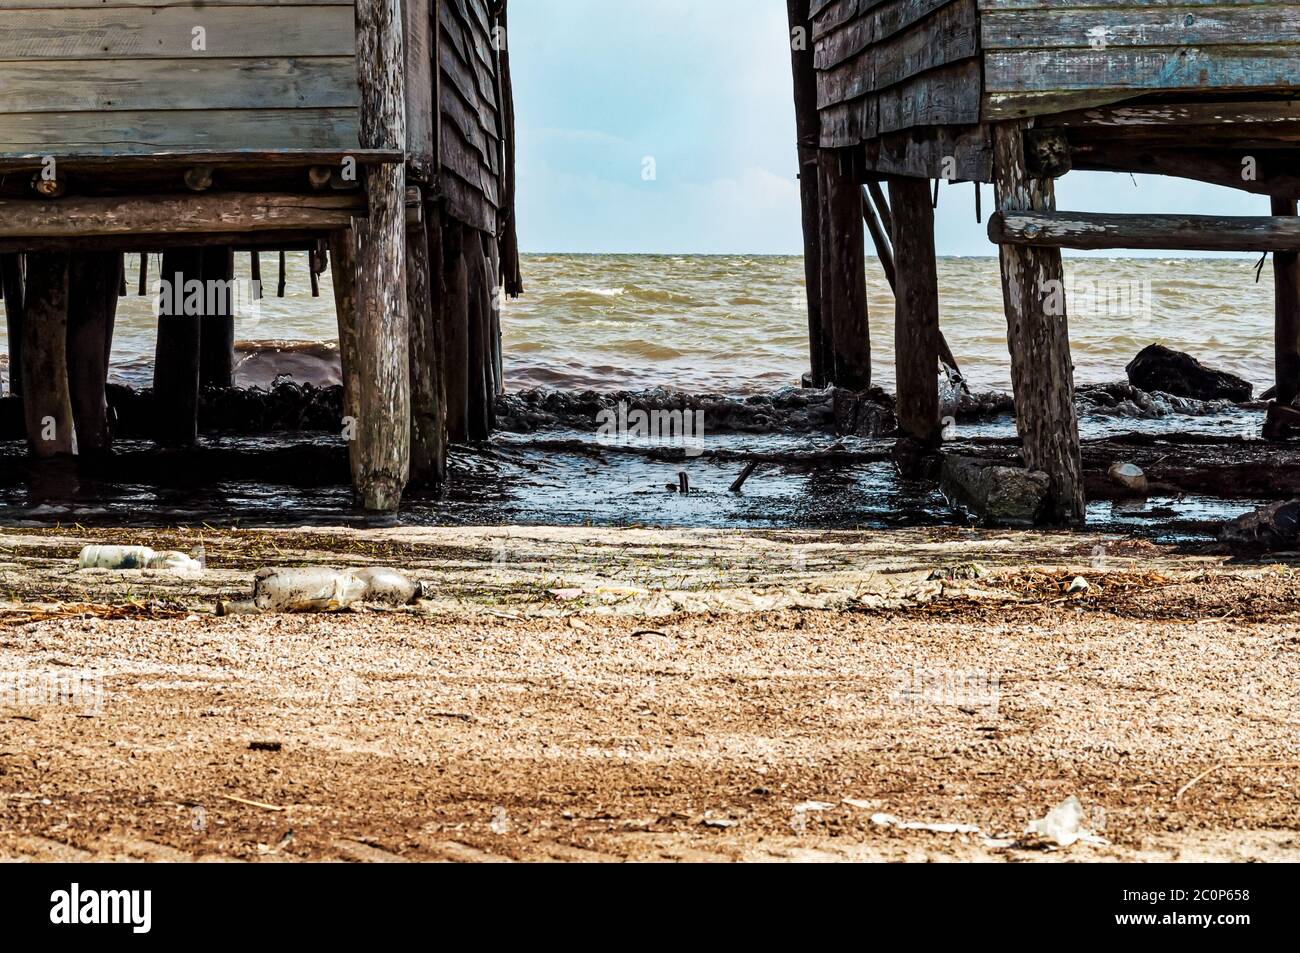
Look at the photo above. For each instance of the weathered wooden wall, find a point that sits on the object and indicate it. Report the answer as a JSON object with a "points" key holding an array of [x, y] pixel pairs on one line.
{"points": [[469, 97], [82, 77], [1047, 56], [902, 76]]}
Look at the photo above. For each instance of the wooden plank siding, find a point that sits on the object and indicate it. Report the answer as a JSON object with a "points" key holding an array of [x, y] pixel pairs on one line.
{"points": [[889, 67], [1048, 56], [121, 77], [470, 148]]}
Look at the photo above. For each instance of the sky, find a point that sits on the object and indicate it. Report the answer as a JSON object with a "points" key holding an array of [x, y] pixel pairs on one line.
{"points": [[702, 89]]}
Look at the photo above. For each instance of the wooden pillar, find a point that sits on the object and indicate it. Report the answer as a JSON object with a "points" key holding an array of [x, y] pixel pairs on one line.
{"points": [[1042, 372], [47, 403], [495, 295], [176, 356], [217, 326], [479, 405], [426, 405], [1286, 275], [455, 330], [808, 132], [343, 272], [94, 281], [11, 280], [843, 270], [916, 322], [383, 323]]}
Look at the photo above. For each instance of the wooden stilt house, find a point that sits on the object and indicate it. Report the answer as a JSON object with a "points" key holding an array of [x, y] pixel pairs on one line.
{"points": [[374, 133], [895, 93]]}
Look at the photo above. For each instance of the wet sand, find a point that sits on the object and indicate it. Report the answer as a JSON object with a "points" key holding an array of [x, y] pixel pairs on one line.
{"points": [[612, 694]]}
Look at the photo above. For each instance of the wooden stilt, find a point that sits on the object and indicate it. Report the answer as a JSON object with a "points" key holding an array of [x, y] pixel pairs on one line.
{"points": [[495, 296], [93, 284], [808, 131], [11, 278], [217, 327], [1042, 372], [479, 401], [433, 230], [455, 331], [383, 323], [426, 410], [143, 288], [1286, 274], [843, 272], [343, 271], [176, 356], [255, 273], [47, 403], [916, 323]]}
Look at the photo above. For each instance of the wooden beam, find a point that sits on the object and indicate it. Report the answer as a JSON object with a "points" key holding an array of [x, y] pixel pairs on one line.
{"points": [[1042, 373], [383, 322], [11, 281], [93, 284], [1094, 230], [177, 159], [1286, 280], [808, 132], [47, 402], [843, 271], [1273, 172], [880, 238], [455, 319], [209, 213], [916, 322]]}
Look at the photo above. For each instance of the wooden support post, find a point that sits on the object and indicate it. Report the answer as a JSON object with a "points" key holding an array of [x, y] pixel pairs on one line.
{"points": [[843, 271], [217, 327], [808, 133], [93, 284], [1286, 275], [47, 403], [343, 271], [426, 407], [433, 232], [11, 278], [479, 406], [176, 355], [495, 296], [916, 322], [455, 330], [1042, 372], [383, 323]]}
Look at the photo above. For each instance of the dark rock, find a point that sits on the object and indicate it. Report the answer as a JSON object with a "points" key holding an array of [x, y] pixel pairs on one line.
{"points": [[1159, 368], [1273, 527], [866, 414], [995, 494]]}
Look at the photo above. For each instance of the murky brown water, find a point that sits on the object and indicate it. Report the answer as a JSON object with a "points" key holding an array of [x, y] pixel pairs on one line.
{"points": [[739, 324]]}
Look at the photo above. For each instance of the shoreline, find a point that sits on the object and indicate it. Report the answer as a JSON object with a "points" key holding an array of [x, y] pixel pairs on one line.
{"points": [[642, 694]]}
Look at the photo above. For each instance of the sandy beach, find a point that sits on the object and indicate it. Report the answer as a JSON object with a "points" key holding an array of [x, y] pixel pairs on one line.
{"points": [[630, 694]]}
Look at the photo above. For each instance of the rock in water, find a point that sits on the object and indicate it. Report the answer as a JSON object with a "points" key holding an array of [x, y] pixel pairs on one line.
{"points": [[1159, 368], [1273, 527], [1130, 477], [997, 495]]}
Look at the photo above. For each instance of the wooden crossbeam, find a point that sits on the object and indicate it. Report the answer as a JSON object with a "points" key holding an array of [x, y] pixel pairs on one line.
{"points": [[1086, 230]]}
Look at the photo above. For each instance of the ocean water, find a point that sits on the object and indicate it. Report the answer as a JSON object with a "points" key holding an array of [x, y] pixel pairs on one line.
{"points": [[738, 324]]}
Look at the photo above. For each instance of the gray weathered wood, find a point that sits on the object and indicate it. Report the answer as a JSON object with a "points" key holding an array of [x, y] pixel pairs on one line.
{"points": [[1286, 282], [383, 323], [176, 354], [1042, 372], [343, 272], [47, 402], [93, 284], [207, 213], [843, 276], [916, 321], [1097, 230]]}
